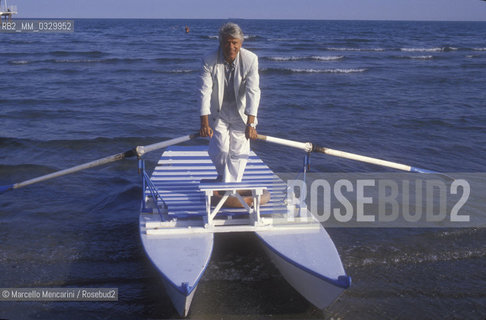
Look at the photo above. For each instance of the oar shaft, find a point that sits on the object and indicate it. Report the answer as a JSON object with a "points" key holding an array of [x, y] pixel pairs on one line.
{"points": [[309, 147], [138, 151], [74, 169], [361, 158]]}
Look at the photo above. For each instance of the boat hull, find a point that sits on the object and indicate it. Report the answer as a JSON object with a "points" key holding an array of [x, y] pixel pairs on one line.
{"points": [[309, 261], [181, 261], [180, 301]]}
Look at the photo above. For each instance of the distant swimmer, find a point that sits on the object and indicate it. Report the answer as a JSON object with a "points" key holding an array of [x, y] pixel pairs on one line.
{"points": [[187, 29]]}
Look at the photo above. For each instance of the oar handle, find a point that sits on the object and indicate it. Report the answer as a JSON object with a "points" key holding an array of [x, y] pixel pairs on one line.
{"points": [[141, 150], [4, 189], [306, 146]]}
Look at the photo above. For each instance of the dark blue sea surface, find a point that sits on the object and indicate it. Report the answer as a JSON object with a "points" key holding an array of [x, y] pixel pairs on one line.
{"points": [[410, 92]]}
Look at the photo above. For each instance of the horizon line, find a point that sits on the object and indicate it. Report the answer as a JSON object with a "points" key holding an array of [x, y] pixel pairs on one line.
{"points": [[276, 19]]}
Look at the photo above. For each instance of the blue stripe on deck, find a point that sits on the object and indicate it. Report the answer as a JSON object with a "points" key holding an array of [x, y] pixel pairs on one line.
{"points": [[179, 187]]}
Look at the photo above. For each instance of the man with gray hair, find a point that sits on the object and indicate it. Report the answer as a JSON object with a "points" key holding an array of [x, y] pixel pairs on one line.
{"points": [[229, 96]]}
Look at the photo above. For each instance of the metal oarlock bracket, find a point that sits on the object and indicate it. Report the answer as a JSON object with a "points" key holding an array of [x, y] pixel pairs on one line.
{"points": [[306, 164], [141, 170], [148, 185], [306, 167]]}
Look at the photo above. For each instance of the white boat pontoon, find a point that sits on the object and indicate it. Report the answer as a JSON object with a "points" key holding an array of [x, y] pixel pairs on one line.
{"points": [[178, 221]]}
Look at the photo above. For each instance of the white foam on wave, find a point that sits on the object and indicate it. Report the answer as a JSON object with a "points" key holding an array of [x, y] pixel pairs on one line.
{"points": [[249, 36], [326, 70], [356, 49], [182, 71], [246, 37], [78, 60], [479, 49], [327, 58], [175, 71], [284, 58], [428, 49], [18, 62], [318, 58], [421, 57], [421, 49]]}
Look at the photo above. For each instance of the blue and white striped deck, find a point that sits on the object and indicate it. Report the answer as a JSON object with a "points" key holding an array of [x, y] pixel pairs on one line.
{"points": [[180, 169]]}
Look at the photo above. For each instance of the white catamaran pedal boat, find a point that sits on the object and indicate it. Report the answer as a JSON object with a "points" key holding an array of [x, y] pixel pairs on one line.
{"points": [[178, 221]]}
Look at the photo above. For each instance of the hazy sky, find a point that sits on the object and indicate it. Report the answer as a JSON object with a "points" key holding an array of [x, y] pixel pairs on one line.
{"points": [[256, 9]]}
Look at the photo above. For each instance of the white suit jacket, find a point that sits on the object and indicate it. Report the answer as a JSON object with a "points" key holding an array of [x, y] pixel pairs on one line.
{"points": [[246, 84]]}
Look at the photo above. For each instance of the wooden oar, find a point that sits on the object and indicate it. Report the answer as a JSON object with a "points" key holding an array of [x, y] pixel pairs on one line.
{"points": [[137, 151], [309, 147]]}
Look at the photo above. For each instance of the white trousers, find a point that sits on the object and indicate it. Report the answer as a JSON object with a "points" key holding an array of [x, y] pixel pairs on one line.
{"points": [[229, 149]]}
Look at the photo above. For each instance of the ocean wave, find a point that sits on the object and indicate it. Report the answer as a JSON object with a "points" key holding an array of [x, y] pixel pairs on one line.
{"points": [[419, 257], [76, 61], [44, 113], [111, 143], [212, 37], [14, 54], [283, 58], [421, 49], [297, 70], [179, 60], [14, 62], [50, 70], [454, 234], [479, 49], [21, 101], [316, 58], [438, 49], [176, 71], [427, 122], [106, 60], [282, 39], [355, 49], [62, 53], [110, 60], [182, 71], [421, 57], [251, 37], [376, 254], [245, 37], [326, 58]]}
